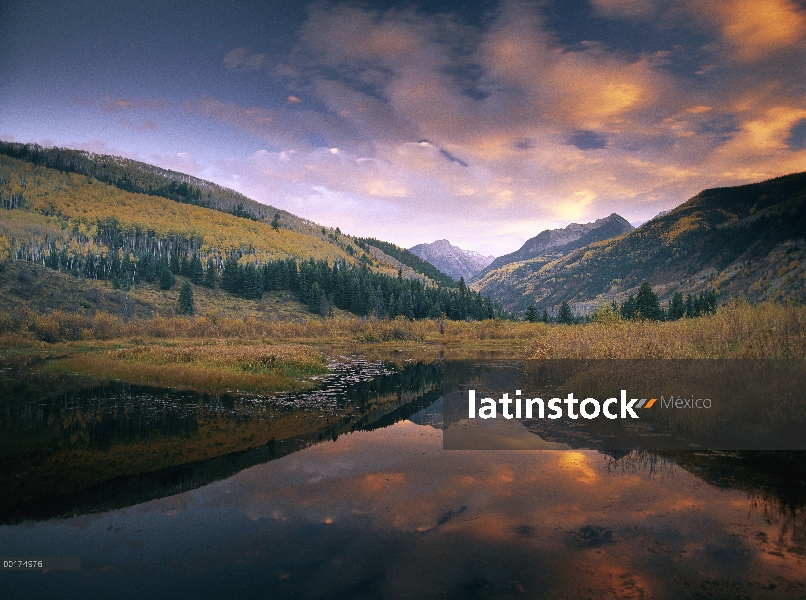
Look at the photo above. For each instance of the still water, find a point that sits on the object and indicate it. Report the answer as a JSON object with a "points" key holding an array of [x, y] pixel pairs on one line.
{"points": [[349, 494]]}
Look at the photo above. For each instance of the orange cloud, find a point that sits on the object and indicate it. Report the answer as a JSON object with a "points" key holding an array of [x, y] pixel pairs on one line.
{"points": [[435, 126], [756, 28]]}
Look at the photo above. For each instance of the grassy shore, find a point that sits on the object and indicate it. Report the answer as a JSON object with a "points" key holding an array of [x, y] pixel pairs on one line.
{"points": [[212, 365], [207, 352]]}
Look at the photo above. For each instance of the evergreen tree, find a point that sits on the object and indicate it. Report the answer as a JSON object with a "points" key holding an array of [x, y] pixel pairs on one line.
{"points": [[166, 278], [628, 308], [646, 304], [315, 296], [174, 263], [544, 318], [275, 222], [252, 283], [231, 276], [690, 307], [708, 302], [195, 270], [210, 274], [677, 308], [186, 304], [565, 316], [146, 268], [126, 273], [531, 314]]}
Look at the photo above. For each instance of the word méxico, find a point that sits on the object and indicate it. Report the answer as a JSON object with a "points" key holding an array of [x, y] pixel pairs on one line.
{"points": [[589, 408]]}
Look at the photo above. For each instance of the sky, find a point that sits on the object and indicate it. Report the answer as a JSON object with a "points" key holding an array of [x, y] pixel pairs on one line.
{"points": [[481, 122]]}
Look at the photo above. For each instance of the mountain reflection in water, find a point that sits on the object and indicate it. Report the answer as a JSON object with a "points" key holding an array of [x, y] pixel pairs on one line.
{"points": [[385, 512]]}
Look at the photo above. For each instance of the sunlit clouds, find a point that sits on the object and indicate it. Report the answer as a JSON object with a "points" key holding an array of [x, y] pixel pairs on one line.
{"points": [[413, 125], [756, 28], [471, 132]]}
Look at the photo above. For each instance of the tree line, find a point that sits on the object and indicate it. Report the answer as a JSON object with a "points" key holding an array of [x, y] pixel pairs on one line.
{"points": [[321, 286], [317, 284], [643, 306]]}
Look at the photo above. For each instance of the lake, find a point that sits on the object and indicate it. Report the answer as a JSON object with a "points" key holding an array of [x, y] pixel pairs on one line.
{"points": [[347, 493]]}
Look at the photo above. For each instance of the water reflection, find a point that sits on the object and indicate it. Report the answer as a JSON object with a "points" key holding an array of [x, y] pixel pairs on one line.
{"points": [[96, 447], [377, 509], [388, 513]]}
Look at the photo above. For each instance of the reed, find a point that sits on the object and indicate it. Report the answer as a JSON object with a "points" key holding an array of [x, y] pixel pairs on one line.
{"points": [[737, 330]]}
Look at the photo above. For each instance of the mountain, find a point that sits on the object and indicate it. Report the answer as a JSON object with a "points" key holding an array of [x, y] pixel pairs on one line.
{"points": [[746, 241], [451, 259], [138, 227], [556, 242], [407, 258]]}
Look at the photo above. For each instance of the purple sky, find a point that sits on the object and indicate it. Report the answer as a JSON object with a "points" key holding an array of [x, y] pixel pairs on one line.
{"points": [[481, 122]]}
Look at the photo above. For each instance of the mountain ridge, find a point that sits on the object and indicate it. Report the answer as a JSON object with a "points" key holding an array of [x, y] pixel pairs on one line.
{"points": [[743, 241], [563, 240], [452, 260]]}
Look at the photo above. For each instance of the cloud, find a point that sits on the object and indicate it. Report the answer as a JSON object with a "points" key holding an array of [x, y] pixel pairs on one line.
{"points": [[243, 60], [757, 28], [496, 132]]}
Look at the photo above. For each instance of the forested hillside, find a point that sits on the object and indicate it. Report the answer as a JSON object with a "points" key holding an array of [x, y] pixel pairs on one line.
{"points": [[551, 244], [76, 224], [745, 241], [134, 176], [409, 259]]}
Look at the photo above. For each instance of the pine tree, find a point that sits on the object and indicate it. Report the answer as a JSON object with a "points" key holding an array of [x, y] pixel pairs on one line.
{"points": [[677, 308], [531, 314], [210, 274], [195, 270], [166, 278], [690, 313], [230, 276], [315, 296], [174, 263], [275, 222], [126, 273], [646, 303], [708, 302], [146, 268], [566, 317], [544, 318], [186, 304], [252, 283], [628, 308]]}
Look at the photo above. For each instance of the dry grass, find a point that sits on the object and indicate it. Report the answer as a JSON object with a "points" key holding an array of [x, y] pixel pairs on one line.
{"points": [[735, 331], [214, 366]]}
